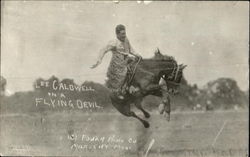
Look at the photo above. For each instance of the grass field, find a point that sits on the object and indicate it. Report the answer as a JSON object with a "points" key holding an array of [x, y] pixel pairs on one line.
{"points": [[188, 134]]}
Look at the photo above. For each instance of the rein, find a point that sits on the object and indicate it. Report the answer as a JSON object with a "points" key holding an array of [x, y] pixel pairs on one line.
{"points": [[131, 78]]}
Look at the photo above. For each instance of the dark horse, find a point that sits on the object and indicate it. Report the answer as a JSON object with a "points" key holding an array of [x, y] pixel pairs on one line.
{"points": [[146, 77]]}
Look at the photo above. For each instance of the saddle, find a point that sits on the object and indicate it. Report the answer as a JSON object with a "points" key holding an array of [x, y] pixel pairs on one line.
{"points": [[131, 69]]}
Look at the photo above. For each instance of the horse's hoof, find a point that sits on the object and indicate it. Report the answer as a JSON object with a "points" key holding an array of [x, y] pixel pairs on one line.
{"points": [[167, 116], [161, 108], [147, 115], [146, 124]]}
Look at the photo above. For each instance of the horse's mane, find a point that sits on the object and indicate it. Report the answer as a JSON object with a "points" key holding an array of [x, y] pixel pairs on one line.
{"points": [[159, 60], [160, 57]]}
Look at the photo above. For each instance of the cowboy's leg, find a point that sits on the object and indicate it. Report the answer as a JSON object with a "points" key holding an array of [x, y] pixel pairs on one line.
{"points": [[125, 84], [128, 72], [121, 91]]}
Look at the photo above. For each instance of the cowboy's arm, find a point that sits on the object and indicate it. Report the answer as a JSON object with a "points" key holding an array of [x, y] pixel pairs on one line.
{"points": [[102, 53], [132, 51]]}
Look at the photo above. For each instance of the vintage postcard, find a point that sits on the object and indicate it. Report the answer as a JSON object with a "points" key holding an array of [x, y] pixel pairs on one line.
{"points": [[124, 78]]}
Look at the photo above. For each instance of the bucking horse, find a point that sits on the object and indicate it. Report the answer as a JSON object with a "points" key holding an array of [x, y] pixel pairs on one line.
{"points": [[145, 76]]}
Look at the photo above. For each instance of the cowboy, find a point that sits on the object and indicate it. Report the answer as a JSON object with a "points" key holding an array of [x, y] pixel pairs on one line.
{"points": [[122, 52]]}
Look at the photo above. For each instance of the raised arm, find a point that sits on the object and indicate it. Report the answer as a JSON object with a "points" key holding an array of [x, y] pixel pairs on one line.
{"points": [[109, 47]]}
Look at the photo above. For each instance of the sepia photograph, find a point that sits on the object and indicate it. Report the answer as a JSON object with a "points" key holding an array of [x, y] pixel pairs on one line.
{"points": [[124, 78]]}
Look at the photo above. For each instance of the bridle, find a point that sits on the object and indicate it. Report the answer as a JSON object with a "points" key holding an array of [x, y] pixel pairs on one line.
{"points": [[174, 74]]}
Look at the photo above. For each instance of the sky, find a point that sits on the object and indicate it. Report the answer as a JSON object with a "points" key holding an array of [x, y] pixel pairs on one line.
{"points": [[63, 38]]}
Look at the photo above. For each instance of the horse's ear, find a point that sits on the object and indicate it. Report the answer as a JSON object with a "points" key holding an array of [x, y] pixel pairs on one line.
{"points": [[182, 66], [157, 51]]}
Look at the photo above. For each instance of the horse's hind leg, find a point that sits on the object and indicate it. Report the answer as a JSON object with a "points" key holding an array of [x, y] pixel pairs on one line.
{"points": [[145, 123], [139, 106], [127, 112], [124, 108]]}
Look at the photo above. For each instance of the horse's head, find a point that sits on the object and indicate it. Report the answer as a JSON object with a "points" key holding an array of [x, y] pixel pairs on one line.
{"points": [[166, 67], [169, 70], [173, 78]]}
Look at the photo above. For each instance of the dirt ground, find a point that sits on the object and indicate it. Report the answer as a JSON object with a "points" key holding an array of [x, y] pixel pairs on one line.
{"points": [[188, 134]]}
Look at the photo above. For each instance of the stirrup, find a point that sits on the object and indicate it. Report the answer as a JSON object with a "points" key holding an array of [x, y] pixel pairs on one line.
{"points": [[120, 97], [133, 89]]}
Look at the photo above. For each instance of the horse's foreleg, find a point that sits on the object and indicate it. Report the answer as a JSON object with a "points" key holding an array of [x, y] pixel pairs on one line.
{"points": [[139, 106], [145, 123], [167, 105]]}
